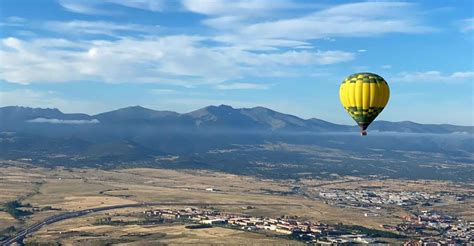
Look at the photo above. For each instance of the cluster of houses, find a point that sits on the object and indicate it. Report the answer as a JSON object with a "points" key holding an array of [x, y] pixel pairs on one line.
{"points": [[448, 228], [306, 230], [213, 217], [283, 226], [365, 198]]}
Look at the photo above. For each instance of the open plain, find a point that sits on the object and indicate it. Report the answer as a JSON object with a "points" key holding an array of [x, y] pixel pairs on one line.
{"points": [[48, 191]]}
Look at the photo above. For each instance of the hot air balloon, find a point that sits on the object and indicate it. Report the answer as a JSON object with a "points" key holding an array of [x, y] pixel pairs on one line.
{"points": [[364, 96]]}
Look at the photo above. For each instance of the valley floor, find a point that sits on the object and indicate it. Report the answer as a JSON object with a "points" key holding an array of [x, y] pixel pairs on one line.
{"points": [[43, 192]]}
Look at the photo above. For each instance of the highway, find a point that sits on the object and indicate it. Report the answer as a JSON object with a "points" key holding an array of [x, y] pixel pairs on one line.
{"points": [[18, 237]]}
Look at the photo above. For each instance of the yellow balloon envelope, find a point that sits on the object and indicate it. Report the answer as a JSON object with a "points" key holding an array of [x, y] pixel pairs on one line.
{"points": [[364, 96]]}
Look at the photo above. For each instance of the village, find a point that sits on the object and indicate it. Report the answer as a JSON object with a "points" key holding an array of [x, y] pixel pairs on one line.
{"points": [[289, 226], [374, 199], [426, 229], [435, 227]]}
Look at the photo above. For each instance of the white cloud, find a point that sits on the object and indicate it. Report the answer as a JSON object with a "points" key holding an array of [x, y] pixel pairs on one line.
{"points": [[258, 25], [225, 22], [347, 20], [16, 19], [435, 77], [13, 21], [247, 42], [242, 86], [151, 5], [463, 75], [102, 7], [256, 44], [467, 25], [240, 7], [207, 7], [362, 50], [78, 27], [180, 60], [61, 121], [262, 19], [88, 7], [25, 33], [162, 91], [288, 58]]}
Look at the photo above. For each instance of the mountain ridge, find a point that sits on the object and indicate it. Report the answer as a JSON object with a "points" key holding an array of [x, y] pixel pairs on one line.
{"points": [[256, 141], [222, 116]]}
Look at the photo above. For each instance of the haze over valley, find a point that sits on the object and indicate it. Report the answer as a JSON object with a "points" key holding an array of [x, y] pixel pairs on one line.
{"points": [[253, 141]]}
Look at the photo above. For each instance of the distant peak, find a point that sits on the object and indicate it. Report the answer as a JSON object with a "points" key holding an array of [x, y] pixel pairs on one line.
{"points": [[225, 106], [260, 108], [219, 107], [137, 107]]}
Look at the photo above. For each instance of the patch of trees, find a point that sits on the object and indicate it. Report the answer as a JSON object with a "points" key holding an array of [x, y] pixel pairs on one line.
{"points": [[7, 232], [12, 209], [198, 226], [367, 231], [34, 243], [147, 221]]}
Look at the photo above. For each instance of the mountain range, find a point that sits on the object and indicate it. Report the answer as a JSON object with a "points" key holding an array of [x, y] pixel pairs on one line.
{"points": [[209, 119], [255, 141]]}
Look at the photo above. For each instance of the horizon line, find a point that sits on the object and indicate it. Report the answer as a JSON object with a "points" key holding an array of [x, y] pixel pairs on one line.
{"points": [[225, 105]]}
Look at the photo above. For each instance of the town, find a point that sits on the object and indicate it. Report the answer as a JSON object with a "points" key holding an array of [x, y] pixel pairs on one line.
{"points": [[375, 199], [435, 227], [426, 229], [288, 226]]}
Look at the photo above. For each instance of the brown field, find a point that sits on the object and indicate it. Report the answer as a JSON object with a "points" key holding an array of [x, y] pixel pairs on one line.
{"points": [[82, 231], [77, 189], [353, 183]]}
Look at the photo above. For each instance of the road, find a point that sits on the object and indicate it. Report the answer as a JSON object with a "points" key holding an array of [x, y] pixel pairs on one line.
{"points": [[53, 219]]}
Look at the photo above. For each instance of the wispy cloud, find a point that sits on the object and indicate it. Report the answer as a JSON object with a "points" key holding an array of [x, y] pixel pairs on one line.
{"points": [[260, 44], [88, 7], [13, 21], [261, 20], [61, 121], [242, 86], [258, 25], [78, 27], [467, 25], [297, 57], [16, 19], [435, 77], [347, 20], [239, 7], [162, 91], [150, 5], [102, 7]]}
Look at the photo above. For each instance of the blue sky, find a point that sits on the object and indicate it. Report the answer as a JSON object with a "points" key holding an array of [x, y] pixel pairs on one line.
{"points": [[92, 56]]}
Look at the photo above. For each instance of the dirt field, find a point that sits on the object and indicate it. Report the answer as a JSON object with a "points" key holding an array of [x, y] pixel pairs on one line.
{"points": [[81, 231], [77, 189], [86, 188]]}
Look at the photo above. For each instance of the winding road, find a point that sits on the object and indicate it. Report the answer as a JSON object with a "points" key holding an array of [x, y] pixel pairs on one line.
{"points": [[18, 238]]}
